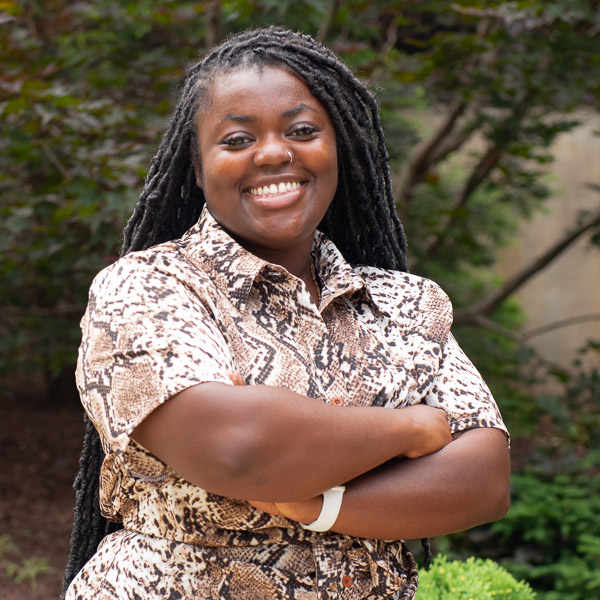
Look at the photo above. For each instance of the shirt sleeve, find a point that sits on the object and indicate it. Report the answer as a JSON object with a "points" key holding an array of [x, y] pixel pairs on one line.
{"points": [[459, 389], [145, 337]]}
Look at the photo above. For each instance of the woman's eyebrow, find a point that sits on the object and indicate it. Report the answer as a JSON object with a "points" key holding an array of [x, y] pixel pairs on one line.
{"points": [[291, 112], [237, 118]]}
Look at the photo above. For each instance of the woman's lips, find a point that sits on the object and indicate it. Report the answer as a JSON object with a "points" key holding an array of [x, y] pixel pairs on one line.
{"points": [[276, 199], [275, 188]]}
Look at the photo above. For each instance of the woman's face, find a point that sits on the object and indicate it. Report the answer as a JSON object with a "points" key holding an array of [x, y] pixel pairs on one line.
{"points": [[251, 123]]}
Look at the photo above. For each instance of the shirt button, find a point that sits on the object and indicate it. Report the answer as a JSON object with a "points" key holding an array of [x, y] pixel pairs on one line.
{"points": [[347, 581], [337, 401]]}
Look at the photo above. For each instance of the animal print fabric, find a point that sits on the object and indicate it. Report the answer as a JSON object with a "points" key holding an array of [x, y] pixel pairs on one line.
{"points": [[192, 311]]}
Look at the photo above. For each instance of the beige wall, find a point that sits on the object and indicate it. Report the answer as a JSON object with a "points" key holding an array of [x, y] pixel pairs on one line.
{"points": [[570, 286]]}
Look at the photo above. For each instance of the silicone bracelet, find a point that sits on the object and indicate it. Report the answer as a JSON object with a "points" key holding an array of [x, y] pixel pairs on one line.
{"points": [[332, 502]]}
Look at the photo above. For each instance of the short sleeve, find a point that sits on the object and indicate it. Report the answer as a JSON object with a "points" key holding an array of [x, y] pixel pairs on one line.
{"points": [[459, 389], [146, 336]]}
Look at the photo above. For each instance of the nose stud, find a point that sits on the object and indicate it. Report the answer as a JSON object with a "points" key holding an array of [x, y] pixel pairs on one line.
{"points": [[291, 156]]}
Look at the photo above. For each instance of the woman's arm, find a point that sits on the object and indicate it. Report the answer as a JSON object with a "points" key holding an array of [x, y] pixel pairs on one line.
{"points": [[464, 484], [261, 442]]}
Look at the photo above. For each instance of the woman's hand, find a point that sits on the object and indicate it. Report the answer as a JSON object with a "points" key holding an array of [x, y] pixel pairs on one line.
{"points": [[303, 511], [431, 430], [236, 378]]}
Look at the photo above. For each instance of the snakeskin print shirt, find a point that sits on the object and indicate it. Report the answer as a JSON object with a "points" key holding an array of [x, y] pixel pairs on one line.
{"points": [[196, 309]]}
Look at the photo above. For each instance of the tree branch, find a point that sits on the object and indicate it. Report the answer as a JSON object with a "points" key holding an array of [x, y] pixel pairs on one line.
{"points": [[213, 23], [390, 41], [488, 306], [485, 323], [481, 171], [327, 20], [521, 338], [422, 160], [456, 141], [560, 324], [443, 142], [12, 312], [54, 160]]}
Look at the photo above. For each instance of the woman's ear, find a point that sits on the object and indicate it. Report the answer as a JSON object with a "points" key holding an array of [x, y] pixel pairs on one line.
{"points": [[198, 172]]}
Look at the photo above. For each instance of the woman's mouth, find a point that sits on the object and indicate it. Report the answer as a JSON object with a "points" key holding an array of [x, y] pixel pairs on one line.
{"points": [[275, 189]]}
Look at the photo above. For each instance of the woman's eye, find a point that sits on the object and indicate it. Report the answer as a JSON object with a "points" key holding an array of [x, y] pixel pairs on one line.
{"points": [[236, 140], [304, 131]]}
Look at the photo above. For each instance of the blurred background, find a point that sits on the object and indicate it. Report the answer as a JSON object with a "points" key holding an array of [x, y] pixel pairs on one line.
{"points": [[491, 115]]}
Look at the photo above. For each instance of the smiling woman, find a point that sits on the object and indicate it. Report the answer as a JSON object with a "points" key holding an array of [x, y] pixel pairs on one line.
{"points": [[267, 163], [274, 403]]}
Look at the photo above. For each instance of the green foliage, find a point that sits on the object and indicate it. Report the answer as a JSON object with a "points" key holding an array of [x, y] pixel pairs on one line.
{"points": [[473, 579], [500, 67], [554, 522], [551, 535], [83, 93], [85, 89], [7, 546], [553, 525], [18, 568]]}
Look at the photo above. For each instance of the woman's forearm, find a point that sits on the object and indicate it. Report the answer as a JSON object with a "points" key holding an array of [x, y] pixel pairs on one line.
{"points": [[263, 443], [464, 484]]}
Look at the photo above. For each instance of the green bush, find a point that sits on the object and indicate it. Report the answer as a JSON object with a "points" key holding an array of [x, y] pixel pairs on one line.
{"points": [[551, 535], [554, 531], [21, 568], [473, 579]]}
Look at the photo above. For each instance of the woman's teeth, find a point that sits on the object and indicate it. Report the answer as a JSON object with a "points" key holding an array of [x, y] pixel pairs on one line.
{"points": [[273, 189]]}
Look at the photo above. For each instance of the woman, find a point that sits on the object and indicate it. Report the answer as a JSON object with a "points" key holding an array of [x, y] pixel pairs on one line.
{"points": [[244, 369]]}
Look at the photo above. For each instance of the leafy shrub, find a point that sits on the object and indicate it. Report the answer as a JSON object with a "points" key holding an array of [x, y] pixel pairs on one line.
{"points": [[473, 579], [551, 535], [554, 531], [21, 568]]}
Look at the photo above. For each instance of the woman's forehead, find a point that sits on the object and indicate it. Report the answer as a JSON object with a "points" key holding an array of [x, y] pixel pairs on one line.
{"points": [[253, 79], [246, 88]]}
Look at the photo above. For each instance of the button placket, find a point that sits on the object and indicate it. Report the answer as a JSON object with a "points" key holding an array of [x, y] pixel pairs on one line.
{"points": [[312, 333], [328, 563]]}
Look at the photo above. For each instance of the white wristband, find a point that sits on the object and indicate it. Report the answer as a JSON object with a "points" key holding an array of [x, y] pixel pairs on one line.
{"points": [[332, 502]]}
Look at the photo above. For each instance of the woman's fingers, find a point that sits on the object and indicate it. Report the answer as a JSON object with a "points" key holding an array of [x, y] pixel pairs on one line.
{"points": [[432, 430], [303, 511], [236, 378]]}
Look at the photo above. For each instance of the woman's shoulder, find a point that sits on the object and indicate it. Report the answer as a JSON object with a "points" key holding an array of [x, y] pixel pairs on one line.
{"points": [[155, 271], [388, 281], [405, 295]]}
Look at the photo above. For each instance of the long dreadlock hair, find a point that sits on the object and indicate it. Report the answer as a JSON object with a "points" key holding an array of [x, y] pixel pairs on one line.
{"points": [[361, 219]]}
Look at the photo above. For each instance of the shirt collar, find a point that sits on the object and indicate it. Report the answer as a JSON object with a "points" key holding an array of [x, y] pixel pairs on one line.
{"points": [[336, 276], [233, 269]]}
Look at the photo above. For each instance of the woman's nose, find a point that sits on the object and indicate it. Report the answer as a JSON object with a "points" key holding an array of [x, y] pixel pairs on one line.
{"points": [[271, 152]]}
